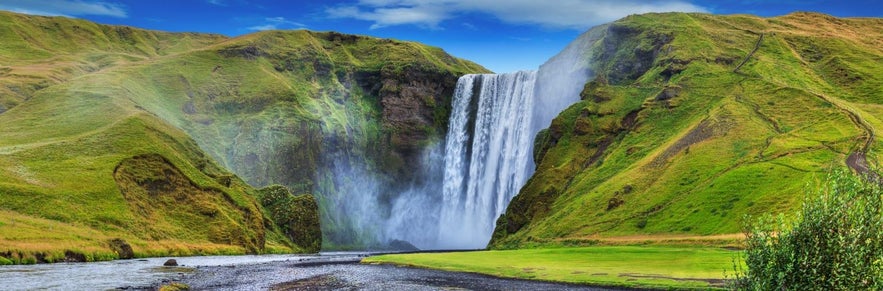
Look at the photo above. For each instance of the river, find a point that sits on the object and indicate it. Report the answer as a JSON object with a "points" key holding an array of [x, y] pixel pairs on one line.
{"points": [[327, 271]]}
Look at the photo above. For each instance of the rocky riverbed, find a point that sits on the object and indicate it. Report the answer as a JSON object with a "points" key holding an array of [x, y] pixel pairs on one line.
{"points": [[346, 273]]}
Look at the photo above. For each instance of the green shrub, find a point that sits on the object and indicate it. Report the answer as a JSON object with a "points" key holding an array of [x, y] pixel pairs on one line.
{"points": [[834, 243]]}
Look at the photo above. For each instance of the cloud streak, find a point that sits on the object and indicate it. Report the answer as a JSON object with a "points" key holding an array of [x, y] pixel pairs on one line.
{"points": [[273, 23], [67, 8], [566, 14]]}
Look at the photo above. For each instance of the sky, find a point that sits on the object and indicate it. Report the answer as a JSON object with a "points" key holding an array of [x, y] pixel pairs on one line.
{"points": [[503, 36]]}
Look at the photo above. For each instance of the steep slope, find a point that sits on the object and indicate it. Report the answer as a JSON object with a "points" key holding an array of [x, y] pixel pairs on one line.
{"points": [[694, 120]]}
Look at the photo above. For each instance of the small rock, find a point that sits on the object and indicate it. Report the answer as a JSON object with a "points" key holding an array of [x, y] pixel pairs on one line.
{"points": [[171, 263]]}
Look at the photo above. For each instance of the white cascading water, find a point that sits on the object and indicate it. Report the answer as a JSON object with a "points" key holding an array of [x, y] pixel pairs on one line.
{"points": [[489, 146], [487, 154]]}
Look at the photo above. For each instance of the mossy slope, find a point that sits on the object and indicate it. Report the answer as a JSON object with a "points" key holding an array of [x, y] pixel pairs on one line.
{"points": [[670, 139]]}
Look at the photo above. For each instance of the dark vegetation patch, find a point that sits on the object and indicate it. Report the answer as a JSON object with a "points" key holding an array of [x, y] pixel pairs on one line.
{"points": [[248, 52], [297, 216]]}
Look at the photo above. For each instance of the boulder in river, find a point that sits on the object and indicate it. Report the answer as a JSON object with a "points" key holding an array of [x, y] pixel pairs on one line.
{"points": [[122, 248], [171, 263]]}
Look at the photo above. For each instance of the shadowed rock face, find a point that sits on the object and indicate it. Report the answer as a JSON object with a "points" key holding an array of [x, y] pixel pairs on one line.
{"points": [[415, 108]]}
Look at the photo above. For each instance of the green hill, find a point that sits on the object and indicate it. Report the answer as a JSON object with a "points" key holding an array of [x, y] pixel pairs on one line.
{"points": [[113, 132], [694, 120]]}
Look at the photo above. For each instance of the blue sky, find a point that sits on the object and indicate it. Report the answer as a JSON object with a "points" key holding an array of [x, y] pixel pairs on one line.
{"points": [[501, 35]]}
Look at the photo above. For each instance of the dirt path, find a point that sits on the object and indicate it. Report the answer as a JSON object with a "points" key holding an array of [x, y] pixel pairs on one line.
{"points": [[750, 54], [857, 160]]}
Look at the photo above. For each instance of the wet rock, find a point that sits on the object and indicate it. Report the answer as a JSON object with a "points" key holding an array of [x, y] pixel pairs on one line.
{"points": [[171, 263], [71, 256], [122, 248]]}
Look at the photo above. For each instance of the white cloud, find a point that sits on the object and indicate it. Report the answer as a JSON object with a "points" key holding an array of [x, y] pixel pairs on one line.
{"points": [[272, 23], [572, 14], [64, 7], [389, 15], [217, 2]]}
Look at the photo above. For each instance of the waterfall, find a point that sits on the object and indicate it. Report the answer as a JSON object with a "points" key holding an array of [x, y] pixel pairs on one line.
{"points": [[487, 154], [489, 145], [468, 180]]}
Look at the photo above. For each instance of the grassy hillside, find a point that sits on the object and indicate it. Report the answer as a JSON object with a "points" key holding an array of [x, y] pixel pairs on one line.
{"points": [[37, 52], [676, 136], [113, 132]]}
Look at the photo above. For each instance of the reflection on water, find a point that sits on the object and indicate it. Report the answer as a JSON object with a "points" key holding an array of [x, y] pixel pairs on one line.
{"points": [[125, 273]]}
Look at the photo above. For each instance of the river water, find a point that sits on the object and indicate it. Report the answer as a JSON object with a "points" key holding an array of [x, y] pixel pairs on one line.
{"points": [[136, 273], [327, 271]]}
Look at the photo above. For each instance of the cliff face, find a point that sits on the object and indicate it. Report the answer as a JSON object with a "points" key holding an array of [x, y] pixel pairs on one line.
{"points": [[673, 136], [115, 132]]}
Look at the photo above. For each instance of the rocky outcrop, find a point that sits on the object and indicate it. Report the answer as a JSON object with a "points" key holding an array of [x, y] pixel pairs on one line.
{"points": [[415, 106], [621, 65]]}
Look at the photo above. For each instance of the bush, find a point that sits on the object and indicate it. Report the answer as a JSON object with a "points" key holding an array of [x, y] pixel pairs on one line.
{"points": [[834, 243]]}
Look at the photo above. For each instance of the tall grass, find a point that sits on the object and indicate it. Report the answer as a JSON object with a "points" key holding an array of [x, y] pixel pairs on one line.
{"points": [[835, 242]]}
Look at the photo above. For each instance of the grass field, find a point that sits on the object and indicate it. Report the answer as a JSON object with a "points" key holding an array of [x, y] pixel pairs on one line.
{"points": [[675, 267]]}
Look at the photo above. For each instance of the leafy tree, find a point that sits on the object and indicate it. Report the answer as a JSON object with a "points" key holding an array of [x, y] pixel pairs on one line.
{"points": [[834, 243]]}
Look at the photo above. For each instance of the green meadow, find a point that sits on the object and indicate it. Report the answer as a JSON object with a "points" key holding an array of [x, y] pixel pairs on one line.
{"points": [[659, 267]]}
